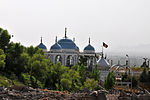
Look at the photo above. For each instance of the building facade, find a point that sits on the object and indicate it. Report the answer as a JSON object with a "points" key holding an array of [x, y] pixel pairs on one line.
{"points": [[68, 53]]}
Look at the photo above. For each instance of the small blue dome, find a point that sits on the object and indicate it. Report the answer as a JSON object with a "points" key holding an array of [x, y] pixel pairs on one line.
{"points": [[67, 44], [56, 46], [89, 48], [77, 48], [42, 46]]}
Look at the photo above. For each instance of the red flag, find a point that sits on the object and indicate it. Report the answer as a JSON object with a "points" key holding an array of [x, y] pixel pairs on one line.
{"points": [[105, 45]]}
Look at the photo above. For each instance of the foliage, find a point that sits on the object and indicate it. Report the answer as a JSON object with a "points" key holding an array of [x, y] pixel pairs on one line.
{"points": [[2, 59], [143, 76], [4, 39], [38, 67], [30, 66], [110, 81], [134, 82], [95, 73], [25, 78], [129, 78], [82, 72], [90, 84], [148, 76], [82, 60], [13, 54], [65, 84], [4, 81]]}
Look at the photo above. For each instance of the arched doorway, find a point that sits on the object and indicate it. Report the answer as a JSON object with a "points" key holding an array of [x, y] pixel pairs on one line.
{"points": [[58, 58], [70, 61]]}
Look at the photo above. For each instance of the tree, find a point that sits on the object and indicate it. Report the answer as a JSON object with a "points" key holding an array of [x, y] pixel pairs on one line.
{"points": [[32, 50], [4, 39], [143, 76], [73, 78], [95, 74], [83, 60], [148, 76], [2, 59], [24, 61], [110, 81], [134, 82], [13, 54], [82, 72], [38, 67], [54, 76], [65, 84], [90, 84]]}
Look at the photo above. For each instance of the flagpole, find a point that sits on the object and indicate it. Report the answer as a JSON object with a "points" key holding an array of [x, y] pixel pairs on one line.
{"points": [[102, 51]]}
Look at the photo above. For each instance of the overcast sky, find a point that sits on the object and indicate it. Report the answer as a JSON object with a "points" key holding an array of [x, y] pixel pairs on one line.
{"points": [[123, 24]]}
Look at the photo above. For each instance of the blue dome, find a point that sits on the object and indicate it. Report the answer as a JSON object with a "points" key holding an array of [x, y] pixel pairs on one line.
{"points": [[89, 47], [67, 44], [56, 46], [42, 46]]}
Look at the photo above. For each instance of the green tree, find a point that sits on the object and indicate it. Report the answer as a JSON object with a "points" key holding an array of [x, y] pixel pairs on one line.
{"points": [[55, 74], [32, 50], [90, 84], [95, 74], [134, 81], [148, 76], [38, 67], [110, 81], [73, 78], [2, 59], [25, 78], [4, 39], [143, 76], [24, 62], [13, 57], [82, 72], [65, 84], [82, 60]]}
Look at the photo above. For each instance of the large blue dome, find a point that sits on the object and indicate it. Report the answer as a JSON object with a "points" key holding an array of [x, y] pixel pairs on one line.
{"points": [[67, 44], [56, 46], [42, 46], [89, 48]]}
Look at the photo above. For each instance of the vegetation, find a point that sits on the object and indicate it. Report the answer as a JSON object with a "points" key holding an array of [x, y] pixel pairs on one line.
{"points": [[4, 81], [2, 59], [110, 81], [90, 84], [145, 76], [95, 73], [30, 66]]}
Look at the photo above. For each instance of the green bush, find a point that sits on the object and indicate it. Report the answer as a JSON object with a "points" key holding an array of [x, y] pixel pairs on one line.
{"points": [[91, 84]]}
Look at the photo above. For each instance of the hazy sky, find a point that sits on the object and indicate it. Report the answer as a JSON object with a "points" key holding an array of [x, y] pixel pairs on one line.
{"points": [[123, 24]]}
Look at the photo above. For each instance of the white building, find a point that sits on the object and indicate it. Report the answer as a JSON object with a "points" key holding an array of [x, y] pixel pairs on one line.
{"points": [[68, 53]]}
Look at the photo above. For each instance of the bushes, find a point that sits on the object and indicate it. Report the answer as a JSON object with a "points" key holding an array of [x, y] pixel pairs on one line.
{"points": [[65, 84], [90, 84]]}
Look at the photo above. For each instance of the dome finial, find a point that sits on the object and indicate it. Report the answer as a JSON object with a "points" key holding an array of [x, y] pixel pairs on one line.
{"points": [[56, 39], [73, 39], [89, 40], [41, 39], [65, 32]]}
